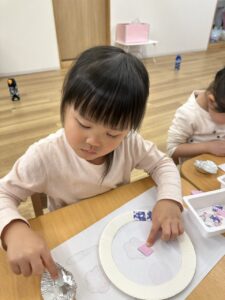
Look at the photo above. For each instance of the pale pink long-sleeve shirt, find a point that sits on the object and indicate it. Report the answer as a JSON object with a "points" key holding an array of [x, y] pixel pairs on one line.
{"points": [[52, 167], [192, 124]]}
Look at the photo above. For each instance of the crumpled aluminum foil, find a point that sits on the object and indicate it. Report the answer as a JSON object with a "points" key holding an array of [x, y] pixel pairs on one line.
{"points": [[63, 288], [206, 166]]}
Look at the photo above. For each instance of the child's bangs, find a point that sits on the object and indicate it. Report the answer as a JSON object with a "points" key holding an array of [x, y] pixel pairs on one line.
{"points": [[117, 111], [110, 88]]}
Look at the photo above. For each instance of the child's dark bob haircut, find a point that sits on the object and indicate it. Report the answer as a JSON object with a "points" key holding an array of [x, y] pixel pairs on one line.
{"points": [[217, 88], [108, 86]]}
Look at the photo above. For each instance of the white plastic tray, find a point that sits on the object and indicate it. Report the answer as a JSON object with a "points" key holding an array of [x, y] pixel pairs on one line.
{"points": [[203, 200]]}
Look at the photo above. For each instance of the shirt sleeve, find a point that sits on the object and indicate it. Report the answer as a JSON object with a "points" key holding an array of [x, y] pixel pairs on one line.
{"points": [[27, 177], [181, 129], [160, 167]]}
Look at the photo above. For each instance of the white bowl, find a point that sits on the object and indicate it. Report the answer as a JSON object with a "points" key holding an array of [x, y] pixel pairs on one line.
{"points": [[201, 201]]}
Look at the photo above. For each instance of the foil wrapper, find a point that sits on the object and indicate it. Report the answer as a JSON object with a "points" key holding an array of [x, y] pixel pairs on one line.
{"points": [[206, 166], [63, 288]]}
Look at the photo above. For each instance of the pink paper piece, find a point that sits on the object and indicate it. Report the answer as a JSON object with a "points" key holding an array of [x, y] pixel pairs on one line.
{"points": [[144, 249], [195, 192], [221, 212]]}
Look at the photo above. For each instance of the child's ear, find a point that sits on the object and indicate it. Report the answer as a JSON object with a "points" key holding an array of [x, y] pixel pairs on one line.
{"points": [[211, 99]]}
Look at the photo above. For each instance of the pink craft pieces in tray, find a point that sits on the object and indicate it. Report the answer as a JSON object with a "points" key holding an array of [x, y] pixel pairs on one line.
{"points": [[208, 211]]}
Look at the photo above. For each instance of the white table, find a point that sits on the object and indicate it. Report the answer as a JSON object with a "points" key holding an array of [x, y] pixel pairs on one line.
{"points": [[127, 46]]}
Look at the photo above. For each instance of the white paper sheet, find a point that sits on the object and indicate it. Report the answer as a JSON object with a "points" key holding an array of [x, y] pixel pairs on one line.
{"points": [[222, 167], [79, 254]]}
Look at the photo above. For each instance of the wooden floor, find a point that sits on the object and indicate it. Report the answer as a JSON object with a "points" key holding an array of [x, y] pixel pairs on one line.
{"points": [[37, 113]]}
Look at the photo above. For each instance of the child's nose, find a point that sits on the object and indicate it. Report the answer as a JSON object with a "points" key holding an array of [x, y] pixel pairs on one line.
{"points": [[93, 141]]}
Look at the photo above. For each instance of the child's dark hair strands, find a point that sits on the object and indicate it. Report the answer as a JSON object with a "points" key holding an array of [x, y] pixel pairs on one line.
{"points": [[109, 86], [217, 88]]}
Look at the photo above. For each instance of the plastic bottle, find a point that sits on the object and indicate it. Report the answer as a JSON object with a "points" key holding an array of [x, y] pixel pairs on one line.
{"points": [[178, 60]]}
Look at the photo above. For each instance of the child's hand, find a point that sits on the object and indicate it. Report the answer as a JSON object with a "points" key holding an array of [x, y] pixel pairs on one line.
{"points": [[166, 216], [27, 252]]}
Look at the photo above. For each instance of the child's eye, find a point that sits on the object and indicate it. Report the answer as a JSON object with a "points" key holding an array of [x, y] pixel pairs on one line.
{"points": [[87, 127], [111, 135], [82, 125]]}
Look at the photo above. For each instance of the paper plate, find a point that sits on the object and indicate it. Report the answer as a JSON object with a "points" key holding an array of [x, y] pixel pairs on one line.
{"points": [[140, 291]]}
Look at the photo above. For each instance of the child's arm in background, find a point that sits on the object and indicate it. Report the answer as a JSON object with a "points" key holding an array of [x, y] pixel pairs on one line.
{"points": [[181, 129], [189, 150]]}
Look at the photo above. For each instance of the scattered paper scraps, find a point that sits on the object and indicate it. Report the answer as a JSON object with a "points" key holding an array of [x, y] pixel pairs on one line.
{"points": [[142, 215], [213, 215]]}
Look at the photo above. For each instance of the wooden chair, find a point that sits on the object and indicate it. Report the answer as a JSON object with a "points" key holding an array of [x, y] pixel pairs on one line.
{"points": [[39, 202]]}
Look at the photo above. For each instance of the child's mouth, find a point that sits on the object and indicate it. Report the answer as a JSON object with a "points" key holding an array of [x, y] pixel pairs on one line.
{"points": [[89, 151]]}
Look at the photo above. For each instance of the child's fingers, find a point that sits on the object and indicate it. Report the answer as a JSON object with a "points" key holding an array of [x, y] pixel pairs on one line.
{"points": [[166, 231], [15, 268], [153, 234], [50, 265], [37, 267], [26, 269], [21, 267], [181, 227], [175, 231], [170, 231]]}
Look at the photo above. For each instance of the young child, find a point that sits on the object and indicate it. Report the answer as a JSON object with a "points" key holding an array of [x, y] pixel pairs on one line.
{"points": [[103, 103], [199, 124]]}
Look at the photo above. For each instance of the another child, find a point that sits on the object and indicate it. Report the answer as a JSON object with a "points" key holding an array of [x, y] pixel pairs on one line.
{"points": [[199, 124], [103, 103]]}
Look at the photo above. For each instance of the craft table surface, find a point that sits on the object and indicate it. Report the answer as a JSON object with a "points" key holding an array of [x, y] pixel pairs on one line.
{"points": [[60, 225], [203, 182]]}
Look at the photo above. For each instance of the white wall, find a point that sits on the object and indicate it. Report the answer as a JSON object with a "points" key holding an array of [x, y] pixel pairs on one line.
{"points": [[27, 37], [178, 25]]}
